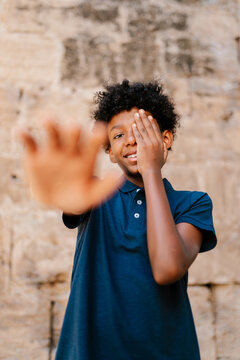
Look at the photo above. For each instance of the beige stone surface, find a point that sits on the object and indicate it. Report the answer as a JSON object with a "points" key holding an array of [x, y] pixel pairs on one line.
{"points": [[179, 89], [202, 308], [63, 105], [54, 56], [24, 324], [28, 59], [43, 248], [227, 312], [221, 265], [9, 109], [216, 52], [13, 190], [6, 244], [58, 312], [62, 19]]}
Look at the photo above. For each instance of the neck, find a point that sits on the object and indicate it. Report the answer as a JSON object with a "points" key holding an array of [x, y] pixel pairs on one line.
{"points": [[137, 179]]}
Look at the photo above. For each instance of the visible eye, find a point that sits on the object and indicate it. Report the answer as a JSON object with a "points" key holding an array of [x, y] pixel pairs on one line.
{"points": [[117, 136]]}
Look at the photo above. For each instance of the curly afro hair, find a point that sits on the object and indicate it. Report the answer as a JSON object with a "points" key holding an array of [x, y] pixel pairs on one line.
{"points": [[148, 96]]}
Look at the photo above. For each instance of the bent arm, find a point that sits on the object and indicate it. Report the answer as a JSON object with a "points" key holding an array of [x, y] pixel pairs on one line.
{"points": [[172, 248]]}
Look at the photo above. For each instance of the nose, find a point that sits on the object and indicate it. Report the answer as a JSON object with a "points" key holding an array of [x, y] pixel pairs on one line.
{"points": [[130, 138]]}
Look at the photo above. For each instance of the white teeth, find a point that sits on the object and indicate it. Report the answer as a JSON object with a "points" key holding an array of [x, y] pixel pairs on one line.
{"points": [[132, 156]]}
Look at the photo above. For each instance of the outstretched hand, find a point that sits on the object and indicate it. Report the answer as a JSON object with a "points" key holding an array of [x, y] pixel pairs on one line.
{"points": [[60, 172]]}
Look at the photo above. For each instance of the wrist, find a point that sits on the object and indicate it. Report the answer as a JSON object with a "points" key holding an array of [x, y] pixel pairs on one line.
{"points": [[151, 173]]}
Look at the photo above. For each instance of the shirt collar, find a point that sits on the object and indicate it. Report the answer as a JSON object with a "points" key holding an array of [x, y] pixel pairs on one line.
{"points": [[129, 186]]}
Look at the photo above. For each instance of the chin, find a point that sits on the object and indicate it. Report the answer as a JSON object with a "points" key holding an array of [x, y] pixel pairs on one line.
{"points": [[135, 173]]}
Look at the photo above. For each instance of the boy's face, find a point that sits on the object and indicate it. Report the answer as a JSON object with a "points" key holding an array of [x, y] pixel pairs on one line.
{"points": [[123, 146]]}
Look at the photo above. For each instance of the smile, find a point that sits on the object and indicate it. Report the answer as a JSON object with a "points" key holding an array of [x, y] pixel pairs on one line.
{"points": [[134, 156]]}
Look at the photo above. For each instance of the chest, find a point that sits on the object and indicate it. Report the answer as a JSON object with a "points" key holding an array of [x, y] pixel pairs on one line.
{"points": [[126, 215]]}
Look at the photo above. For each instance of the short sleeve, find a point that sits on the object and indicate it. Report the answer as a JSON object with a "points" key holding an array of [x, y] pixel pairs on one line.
{"points": [[198, 212], [73, 221]]}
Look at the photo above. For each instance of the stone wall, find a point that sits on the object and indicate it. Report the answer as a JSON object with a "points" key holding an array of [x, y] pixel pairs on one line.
{"points": [[53, 56]]}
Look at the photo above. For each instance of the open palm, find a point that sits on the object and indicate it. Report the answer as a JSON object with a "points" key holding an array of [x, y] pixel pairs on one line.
{"points": [[60, 172]]}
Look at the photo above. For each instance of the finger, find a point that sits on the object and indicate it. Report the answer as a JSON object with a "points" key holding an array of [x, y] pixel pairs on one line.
{"points": [[140, 127], [136, 133], [71, 140], [28, 141], [104, 188], [148, 125], [53, 133], [97, 139], [156, 128]]}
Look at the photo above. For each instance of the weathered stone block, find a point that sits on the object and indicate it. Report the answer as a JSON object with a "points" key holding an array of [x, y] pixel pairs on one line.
{"points": [[64, 19], [13, 189], [227, 313], [97, 12], [189, 2], [213, 87], [90, 60], [28, 59], [199, 55], [229, 7], [58, 315], [220, 265], [218, 48], [232, 129], [24, 324], [66, 106], [6, 243], [93, 61], [155, 17], [189, 57], [201, 302], [43, 249], [210, 108], [220, 180], [141, 60], [58, 294], [9, 109], [182, 177], [210, 5], [204, 141], [179, 90]]}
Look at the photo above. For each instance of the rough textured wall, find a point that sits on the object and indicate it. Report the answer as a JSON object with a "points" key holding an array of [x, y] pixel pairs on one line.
{"points": [[53, 56]]}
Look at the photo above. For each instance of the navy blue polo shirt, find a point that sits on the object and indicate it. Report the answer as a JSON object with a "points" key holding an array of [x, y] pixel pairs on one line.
{"points": [[116, 310]]}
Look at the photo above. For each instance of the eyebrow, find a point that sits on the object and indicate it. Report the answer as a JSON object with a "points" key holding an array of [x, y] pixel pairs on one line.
{"points": [[115, 127]]}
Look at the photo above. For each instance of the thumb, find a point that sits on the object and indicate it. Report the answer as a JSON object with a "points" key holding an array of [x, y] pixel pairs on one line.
{"points": [[104, 188]]}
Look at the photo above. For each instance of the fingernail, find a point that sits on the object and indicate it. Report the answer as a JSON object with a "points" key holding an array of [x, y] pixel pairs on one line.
{"points": [[137, 115], [141, 111], [150, 117], [134, 125]]}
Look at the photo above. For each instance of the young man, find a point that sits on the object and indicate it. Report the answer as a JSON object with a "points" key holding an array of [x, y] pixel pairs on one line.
{"points": [[128, 297]]}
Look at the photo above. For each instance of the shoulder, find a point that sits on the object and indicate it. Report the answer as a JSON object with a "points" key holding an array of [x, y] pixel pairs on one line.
{"points": [[181, 200], [194, 207], [191, 199]]}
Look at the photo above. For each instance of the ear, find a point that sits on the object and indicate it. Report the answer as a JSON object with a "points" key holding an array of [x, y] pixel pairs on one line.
{"points": [[111, 155], [167, 137]]}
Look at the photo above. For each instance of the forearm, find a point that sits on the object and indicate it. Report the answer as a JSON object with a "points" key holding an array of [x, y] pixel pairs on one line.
{"points": [[167, 253]]}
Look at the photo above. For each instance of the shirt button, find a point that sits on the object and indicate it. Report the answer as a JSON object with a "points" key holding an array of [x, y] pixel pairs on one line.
{"points": [[137, 190], [139, 202], [136, 215]]}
